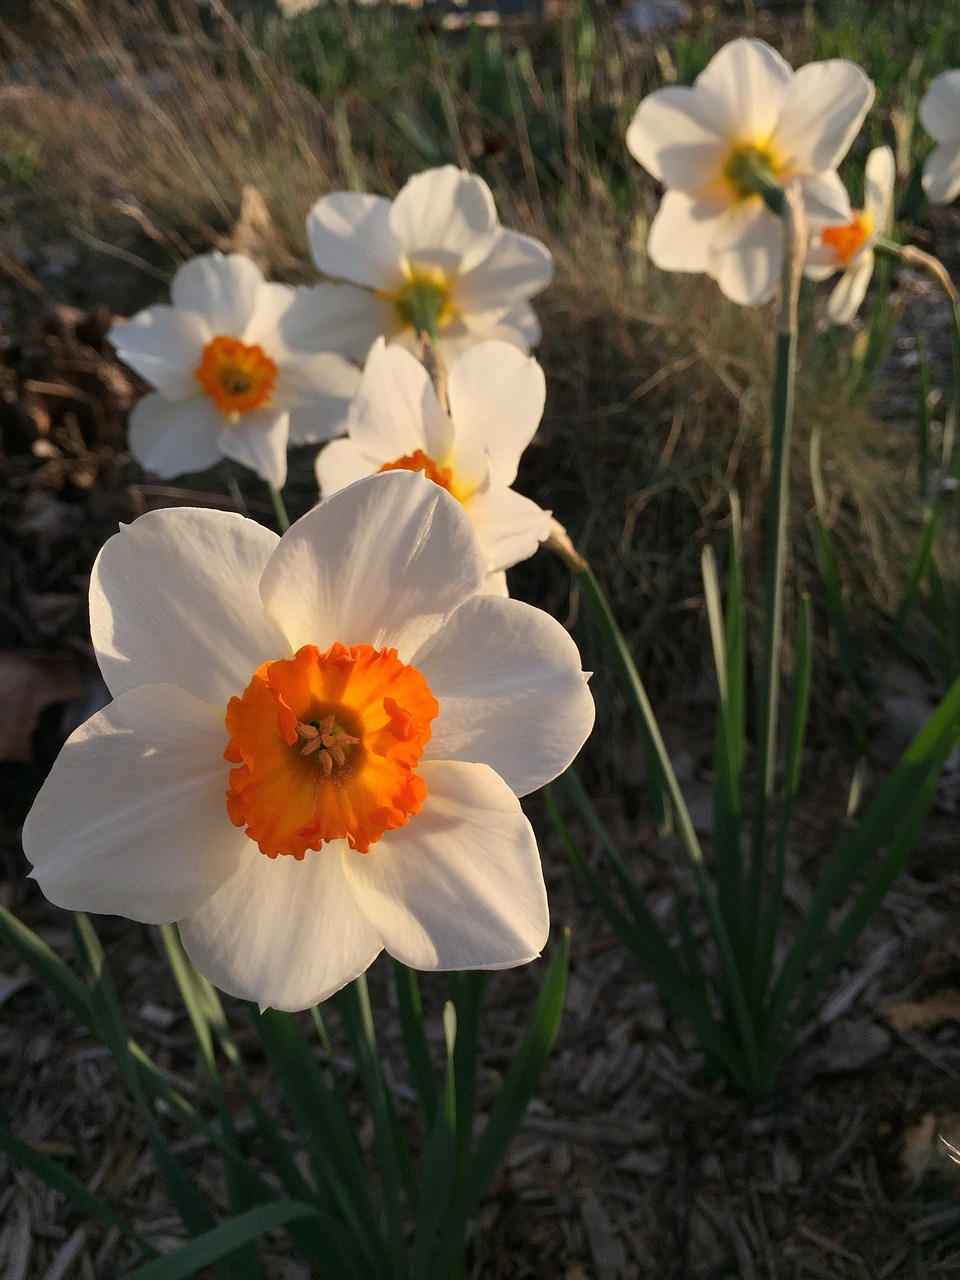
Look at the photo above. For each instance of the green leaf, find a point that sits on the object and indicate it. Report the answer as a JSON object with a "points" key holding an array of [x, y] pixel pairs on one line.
{"points": [[327, 1127], [440, 1163], [56, 1176], [48, 966], [415, 1041], [183, 1190], [219, 1242]]}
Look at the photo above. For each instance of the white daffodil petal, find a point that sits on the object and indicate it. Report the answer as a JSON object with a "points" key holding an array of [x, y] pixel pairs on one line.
{"points": [[342, 318], [940, 107], [851, 289], [682, 232], [351, 239], [511, 692], [941, 173], [396, 410], [880, 175], [516, 268], [495, 584], [102, 835], [824, 108], [461, 885], [283, 933], [445, 218], [317, 391], [496, 397], [399, 555], [341, 463], [519, 328], [510, 527], [825, 200], [258, 440], [174, 599], [743, 89], [171, 437], [224, 289], [164, 346], [746, 253], [264, 326], [820, 262], [676, 136]]}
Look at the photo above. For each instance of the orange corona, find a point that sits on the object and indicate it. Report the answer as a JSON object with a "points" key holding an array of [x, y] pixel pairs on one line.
{"points": [[847, 241], [235, 376], [420, 461], [326, 747]]}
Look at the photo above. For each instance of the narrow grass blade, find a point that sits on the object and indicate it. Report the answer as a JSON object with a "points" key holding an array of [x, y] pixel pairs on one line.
{"points": [[353, 1005], [183, 1190], [467, 992], [48, 966], [796, 735], [328, 1130], [829, 570], [216, 1244], [242, 1183], [56, 1176], [440, 1163], [415, 1041], [884, 824], [511, 1103]]}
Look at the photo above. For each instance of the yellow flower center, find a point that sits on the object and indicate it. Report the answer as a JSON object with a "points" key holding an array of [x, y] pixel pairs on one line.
{"points": [[749, 167], [235, 376], [326, 747], [847, 241], [423, 300]]}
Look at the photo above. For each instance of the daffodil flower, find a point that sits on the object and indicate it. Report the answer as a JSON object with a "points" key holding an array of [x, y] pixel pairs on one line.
{"points": [[749, 124], [227, 383], [848, 248], [436, 257], [315, 746], [940, 116], [496, 396]]}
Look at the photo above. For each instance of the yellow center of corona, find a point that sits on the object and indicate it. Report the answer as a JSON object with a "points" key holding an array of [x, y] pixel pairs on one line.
{"points": [[326, 747], [749, 167], [847, 241], [423, 301], [235, 376]]}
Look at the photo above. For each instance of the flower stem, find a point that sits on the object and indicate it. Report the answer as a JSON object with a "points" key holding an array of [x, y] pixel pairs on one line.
{"points": [[279, 509], [795, 241]]}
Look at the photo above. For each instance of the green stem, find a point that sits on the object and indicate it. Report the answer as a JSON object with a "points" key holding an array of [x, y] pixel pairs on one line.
{"points": [[279, 509], [233, 488], [794, 237]]}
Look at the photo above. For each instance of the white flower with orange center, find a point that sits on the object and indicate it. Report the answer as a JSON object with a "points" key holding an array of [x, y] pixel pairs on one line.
{"points": [[496, 396], [437, 250], [849, 247], [227, 382], [315, 746], [748, 121], [940, 116]]}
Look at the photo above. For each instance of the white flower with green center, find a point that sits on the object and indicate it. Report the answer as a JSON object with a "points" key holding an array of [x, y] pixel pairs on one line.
{"points": [[315, 745], [228, 384], [436, 253], [940, 116], [749, 121], [496, 396], [849, 247]]}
